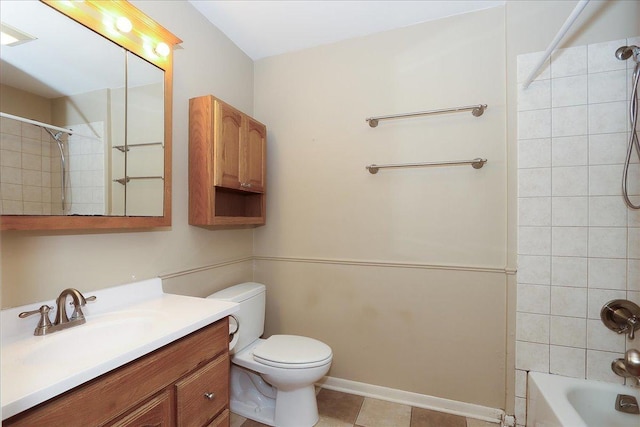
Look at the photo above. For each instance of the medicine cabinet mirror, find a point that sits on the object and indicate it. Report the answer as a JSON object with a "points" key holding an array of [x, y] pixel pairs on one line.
{"points": [[85, 116]]}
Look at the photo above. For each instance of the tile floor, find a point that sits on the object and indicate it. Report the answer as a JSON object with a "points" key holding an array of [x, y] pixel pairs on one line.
{"points": [[339, 409]]}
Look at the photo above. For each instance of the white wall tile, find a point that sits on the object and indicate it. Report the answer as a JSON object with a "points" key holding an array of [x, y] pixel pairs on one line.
{"points": [[570, 302], [534, 124], [570, 151], [605, 180], [569, 241], [607, 242], [607, 211], [527, 62], [532, 356], [521, 383], [533, 299], [633, 237], [598, 298], [570, 181], [599, 366], [570, 211], [537, 96], [568, 331], [633, 217], [534, 182], [607, 117], [599, 337], [534, 240], [633, 275], [605, 273], [534, 269], [534, 153], [535, 211], [607, 148], [608, 87], [569, 271], [568, 121], [601, 56], [569, 62], [569, 91], [532, 327], [567, 361]]}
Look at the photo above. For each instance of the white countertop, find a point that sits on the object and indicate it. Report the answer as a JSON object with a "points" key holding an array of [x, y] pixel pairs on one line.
{"points": [[124, 323]]}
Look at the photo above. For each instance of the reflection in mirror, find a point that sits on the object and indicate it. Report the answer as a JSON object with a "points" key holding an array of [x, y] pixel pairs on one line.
{"points": [[83, 121]]}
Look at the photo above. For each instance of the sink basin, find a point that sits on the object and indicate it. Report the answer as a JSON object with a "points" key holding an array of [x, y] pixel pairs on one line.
{"points": [[103, 334], [123, 324]]}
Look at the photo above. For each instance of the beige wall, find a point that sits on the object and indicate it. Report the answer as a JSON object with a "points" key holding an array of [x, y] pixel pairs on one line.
{"points": [[25, 104], [359, 260], [36, 266]]}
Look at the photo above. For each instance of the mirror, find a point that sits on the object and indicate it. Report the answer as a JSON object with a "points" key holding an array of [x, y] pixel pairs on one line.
{"points": [[85, 127]]}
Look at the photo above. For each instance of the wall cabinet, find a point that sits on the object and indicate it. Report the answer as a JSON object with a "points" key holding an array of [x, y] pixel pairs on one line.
{"points": [[185, 383], [227, 165]]}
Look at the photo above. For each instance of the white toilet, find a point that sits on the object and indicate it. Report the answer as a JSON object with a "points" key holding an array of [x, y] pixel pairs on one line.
{"points": [[272, 380]]}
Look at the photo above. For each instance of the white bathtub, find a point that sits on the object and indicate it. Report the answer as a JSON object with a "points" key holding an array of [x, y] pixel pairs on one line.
{"points": [[556, 401]]}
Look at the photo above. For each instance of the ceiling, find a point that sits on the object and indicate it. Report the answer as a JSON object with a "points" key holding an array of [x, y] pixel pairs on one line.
{"points": [[263, 28]]}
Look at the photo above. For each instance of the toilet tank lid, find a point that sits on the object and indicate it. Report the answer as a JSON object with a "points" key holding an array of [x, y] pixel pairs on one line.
{"points": [[239, 293]]}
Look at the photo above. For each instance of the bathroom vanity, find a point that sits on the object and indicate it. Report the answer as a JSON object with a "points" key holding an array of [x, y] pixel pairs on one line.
{"points": [[161, 360]]}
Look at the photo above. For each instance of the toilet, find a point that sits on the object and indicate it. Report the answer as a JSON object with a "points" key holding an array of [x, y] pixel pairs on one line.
{"points": [[273, 379]]}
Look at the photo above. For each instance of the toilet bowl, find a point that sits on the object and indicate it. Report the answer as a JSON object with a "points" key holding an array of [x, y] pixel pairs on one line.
{"points": [[272, 380]]}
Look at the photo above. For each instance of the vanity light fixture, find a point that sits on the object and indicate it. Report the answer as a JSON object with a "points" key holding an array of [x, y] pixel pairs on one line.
{"points": [[10, 36]]}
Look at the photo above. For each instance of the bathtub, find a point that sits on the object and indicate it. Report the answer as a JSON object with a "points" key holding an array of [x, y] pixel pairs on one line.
{"points": [[556, 401]]}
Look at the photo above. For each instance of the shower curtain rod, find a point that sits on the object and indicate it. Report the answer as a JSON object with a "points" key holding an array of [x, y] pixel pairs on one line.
{"points": [[45, 125], [561, 33]]}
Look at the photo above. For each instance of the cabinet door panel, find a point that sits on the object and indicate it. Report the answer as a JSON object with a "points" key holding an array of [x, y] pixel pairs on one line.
{"points": [[227, 146], [252, 172], [203, 394]]}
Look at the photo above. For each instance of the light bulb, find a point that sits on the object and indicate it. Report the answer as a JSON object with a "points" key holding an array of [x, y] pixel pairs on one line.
{"points": [[163, 49], [123, 24]]}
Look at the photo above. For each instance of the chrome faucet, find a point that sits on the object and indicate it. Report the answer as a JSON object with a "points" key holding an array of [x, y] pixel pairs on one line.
{"points": [[62, 319]]}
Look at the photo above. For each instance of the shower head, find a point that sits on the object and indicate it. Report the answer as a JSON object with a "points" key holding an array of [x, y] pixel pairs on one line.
{"points": [[625, 52]]}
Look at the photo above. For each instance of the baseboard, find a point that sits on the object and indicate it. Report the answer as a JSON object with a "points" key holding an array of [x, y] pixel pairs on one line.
{"points": [[454, 407]]}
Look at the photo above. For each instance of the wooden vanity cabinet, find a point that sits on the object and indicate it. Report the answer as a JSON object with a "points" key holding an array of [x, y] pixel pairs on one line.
{"points": [[184, 384], [227, 165]]}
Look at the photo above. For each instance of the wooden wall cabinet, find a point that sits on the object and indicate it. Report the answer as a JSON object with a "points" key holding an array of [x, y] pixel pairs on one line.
{"points": [[227, 165], [185, 383]]}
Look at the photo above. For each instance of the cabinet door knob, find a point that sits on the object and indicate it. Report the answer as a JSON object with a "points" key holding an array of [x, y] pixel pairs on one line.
{"points": [[209, 395]]}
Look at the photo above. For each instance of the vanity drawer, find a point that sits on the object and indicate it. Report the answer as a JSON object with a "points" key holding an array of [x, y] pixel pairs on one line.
{"points": [[203, 394], [221, 420], [156, 412]]}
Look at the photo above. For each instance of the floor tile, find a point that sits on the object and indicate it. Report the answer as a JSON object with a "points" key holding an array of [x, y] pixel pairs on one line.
{"points": [[337, 406], [251, 423], [421, 417], [236, 420], [472, 422], [379, 413]]}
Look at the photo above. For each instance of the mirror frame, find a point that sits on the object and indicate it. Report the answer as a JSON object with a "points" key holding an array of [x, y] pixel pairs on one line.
{"points": [[96, 15]]}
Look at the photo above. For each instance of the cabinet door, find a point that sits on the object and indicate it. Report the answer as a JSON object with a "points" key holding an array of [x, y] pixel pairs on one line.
{"points": [[203, 394], [252, 171], [155, 413], [228, 137]]}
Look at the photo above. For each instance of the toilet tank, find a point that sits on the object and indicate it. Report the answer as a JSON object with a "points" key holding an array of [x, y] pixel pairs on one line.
{"points": [[252, 298]]}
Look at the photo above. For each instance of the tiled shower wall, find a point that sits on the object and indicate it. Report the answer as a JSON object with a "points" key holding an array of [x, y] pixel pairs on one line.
{"points": [[29, 170], [578, 244]]}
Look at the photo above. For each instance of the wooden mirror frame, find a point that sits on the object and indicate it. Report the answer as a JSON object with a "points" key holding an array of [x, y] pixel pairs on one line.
{"points": [[97, 15]]}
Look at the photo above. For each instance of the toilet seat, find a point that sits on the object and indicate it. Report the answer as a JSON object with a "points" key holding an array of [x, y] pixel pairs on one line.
{"points": [[293, 352]]}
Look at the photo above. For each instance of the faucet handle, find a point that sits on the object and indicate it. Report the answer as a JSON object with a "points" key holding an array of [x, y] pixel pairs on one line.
{"points": [[77, 310], [44, 323]]}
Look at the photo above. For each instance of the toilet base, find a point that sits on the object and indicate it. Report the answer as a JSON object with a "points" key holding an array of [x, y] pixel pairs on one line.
{"points": [[253, 398]]}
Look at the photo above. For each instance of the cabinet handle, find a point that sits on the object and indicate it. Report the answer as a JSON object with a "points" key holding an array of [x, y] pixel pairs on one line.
{"points": [[209, 395], [245, 184]]}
